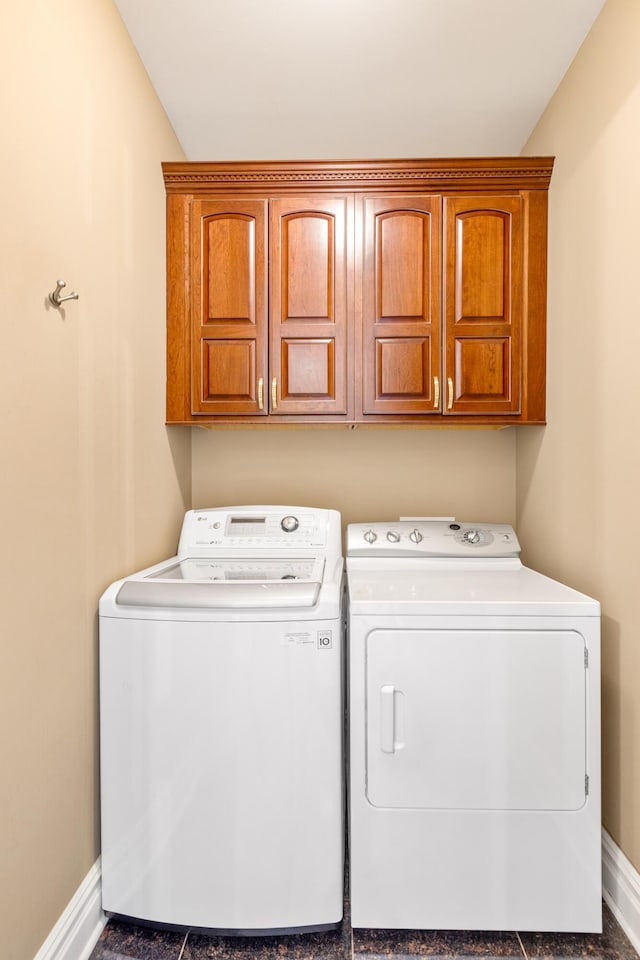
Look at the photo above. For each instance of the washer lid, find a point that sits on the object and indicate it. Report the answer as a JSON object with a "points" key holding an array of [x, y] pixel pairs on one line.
{"points": [[226, 583]]}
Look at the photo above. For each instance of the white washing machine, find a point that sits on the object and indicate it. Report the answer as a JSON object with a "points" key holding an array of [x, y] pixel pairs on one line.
{"points": [[221, 727], [474, 734]]}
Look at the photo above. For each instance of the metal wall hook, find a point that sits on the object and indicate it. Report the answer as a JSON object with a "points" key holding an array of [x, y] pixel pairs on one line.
{"points": [[55, 297]]}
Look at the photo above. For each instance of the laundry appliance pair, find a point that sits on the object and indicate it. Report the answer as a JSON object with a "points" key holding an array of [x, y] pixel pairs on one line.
{"points": [[473, 715]]}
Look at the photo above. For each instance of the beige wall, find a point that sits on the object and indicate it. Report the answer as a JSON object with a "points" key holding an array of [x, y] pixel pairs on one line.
{"points": [[367, 474], [578, 478], [92, 484]]}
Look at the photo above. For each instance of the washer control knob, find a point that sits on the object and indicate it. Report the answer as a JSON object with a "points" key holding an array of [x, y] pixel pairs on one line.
{"points": [[415, 535], [393, 536], [371, 536], [289, 524], [471, 536]]}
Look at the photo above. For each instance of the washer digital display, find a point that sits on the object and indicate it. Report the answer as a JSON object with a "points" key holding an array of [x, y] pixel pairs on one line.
{"points": [[246, 526]]}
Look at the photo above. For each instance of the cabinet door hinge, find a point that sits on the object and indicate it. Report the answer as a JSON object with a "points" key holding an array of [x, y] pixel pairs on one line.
{"points": [[586, 784], [586, 659]]}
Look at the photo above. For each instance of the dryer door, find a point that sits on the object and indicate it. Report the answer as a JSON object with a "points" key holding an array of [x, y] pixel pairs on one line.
{"points": [[476, 719]]}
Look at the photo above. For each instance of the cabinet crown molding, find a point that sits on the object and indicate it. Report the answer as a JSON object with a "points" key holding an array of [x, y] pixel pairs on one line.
{"points": [[521, 173]]}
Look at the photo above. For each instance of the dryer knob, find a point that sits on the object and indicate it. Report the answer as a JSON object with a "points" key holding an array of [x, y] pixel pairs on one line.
{"points": [[393, 536], [415, 535], [370, 536], [289, 524], [471, 536]]}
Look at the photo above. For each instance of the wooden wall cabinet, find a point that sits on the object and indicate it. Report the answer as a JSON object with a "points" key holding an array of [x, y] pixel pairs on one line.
{"points": [[359, 292]]}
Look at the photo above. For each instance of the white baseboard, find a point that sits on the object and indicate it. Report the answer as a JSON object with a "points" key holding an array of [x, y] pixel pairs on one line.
{"points": [[621, 889], [76, 932]]}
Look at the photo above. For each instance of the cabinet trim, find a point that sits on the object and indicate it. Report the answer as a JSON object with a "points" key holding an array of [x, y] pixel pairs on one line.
{"points": [[490, 173]]}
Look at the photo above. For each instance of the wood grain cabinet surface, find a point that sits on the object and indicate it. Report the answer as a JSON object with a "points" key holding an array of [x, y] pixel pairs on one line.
{"points": [[382, 292]]}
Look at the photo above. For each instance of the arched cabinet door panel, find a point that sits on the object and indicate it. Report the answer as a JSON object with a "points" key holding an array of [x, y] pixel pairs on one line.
{"points": [[401, 304], [308, 304], [483, 301], [229, 307]]}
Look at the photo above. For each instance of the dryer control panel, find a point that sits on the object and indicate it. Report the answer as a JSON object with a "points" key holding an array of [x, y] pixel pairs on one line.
{"points": [[431, 538]]}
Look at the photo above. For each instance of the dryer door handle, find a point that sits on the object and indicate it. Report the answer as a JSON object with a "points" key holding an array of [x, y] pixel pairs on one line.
{"points": [[388, 718]]}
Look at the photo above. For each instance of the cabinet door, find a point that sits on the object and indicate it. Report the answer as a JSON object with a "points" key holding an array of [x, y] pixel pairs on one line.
{"points": [[309, 291], [483, 289], [401, 304], [229, 307]]}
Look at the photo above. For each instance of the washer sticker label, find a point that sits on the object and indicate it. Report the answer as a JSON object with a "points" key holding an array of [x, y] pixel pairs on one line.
{"points": [[323, 639], [301, 637]]}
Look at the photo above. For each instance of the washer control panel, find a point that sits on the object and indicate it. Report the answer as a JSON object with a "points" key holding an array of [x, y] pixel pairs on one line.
{"points": [[431, 538], [240, 529]]}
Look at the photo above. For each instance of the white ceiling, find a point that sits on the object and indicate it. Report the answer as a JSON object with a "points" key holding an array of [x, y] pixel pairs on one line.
{"points": [[314, 79]]}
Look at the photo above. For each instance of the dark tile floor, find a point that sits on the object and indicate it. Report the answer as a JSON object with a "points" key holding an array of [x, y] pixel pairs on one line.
{"points": [[122, 942]]}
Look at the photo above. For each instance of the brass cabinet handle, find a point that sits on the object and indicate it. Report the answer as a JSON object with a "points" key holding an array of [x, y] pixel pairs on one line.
{"points": [[436, 392], [274, 393], [450, 388], [261, 394]]}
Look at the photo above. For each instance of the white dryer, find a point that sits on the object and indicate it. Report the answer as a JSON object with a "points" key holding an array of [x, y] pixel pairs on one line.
{"points": [[474, 734], [221, 727]]}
